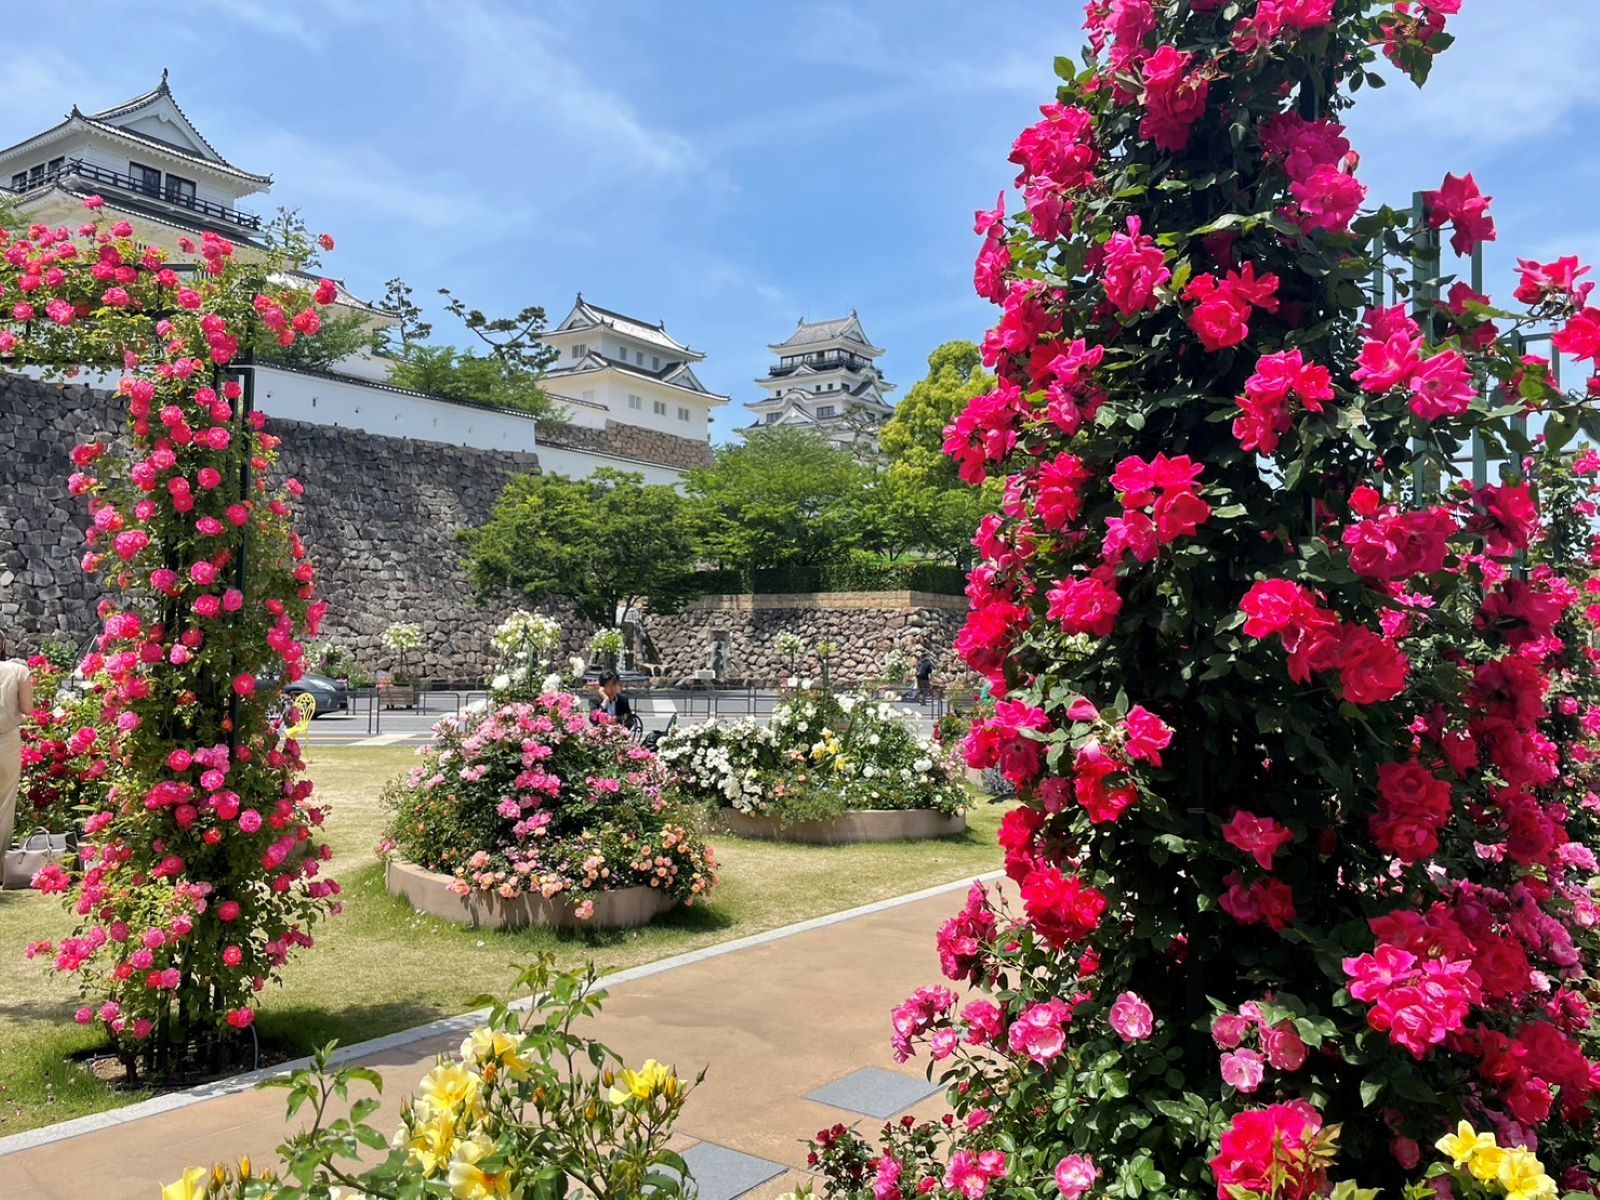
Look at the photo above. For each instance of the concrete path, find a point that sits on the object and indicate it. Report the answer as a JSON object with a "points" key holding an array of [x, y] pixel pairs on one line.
{"points": [[778, 1019]]}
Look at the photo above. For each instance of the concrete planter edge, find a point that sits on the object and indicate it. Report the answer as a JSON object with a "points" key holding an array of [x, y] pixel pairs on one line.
{"points": [[429, 892]]}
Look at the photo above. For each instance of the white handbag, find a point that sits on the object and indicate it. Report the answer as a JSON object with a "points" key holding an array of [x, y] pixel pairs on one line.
{"points": [[33, 854]]}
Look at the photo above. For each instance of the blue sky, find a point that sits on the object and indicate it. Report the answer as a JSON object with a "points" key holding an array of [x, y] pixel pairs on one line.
{"points": [[731, 166]]}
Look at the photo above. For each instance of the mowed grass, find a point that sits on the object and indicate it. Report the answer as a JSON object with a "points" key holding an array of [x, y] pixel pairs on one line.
{"points": [[379, 967]]}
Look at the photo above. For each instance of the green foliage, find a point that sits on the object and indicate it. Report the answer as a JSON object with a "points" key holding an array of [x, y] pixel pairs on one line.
{"points": [[473, 378], [604, 542], [920, 501], [507, 374], [913, 439], [785, 497], [529, 1107]]}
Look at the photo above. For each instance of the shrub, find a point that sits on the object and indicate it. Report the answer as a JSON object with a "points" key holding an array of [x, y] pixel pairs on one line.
{"points": [[819, 756], [201, 868], [65, 771], [537, 797], [1304, 843], [527, 1107]]}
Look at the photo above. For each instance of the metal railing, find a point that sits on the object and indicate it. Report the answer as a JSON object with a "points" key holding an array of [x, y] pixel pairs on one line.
{"points": [[148, 187]]}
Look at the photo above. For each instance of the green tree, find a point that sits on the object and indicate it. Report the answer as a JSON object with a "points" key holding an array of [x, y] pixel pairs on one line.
{"points": [[930, 497], [606, 542], [783, 498], [509, 374], [913, 439], [902, 513]]}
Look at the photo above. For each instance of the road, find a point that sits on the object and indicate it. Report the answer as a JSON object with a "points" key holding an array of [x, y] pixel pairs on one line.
{"points": [[368, 724]]}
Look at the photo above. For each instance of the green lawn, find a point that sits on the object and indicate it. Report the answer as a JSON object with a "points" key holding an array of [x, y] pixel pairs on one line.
{"points": [[379, 967]]}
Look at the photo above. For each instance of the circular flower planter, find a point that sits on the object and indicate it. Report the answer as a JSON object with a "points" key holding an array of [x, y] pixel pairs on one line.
{"points": [[429, 892], [858, 825]]}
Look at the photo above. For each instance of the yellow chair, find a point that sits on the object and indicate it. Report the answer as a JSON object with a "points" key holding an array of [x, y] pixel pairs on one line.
{"points": [[305, 709]]}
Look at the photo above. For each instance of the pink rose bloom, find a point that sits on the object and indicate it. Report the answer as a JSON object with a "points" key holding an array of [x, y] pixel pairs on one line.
{"points": [[250, 820], [968, 1174], [1075, 1175], [1131, 1018], [1243, 1070], [1229, 1030], [1285, 1050], [228, 910], [232, 956]]}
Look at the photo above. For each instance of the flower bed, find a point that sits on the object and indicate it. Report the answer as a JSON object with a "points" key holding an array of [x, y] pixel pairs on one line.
{"points": [[440, 896], [536, 800], [819, 765]]}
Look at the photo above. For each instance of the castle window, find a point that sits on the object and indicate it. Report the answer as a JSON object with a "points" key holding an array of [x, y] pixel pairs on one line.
{"points": [[825, 411], [180, 190], [683, 413], [56, 164], [36, 174], [635, 402], [638, 357], [19, 181], [146, 179], [655, 362], [579, 350], [660, 407]]}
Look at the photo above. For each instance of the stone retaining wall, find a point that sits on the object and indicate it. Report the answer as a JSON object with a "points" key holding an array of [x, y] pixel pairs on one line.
{"points": [[865, 627], [380, 515], [630, 441]]}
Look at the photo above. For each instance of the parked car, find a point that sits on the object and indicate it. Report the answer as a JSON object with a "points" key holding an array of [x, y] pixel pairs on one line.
{"points": [[331, 695]]}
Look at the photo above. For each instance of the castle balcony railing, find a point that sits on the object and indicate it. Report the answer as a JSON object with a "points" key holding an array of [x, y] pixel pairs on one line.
{"points": [[150, 189]]}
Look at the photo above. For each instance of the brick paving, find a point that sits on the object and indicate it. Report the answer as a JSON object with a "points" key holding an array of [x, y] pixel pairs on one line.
{"points": [[774, 1022]]}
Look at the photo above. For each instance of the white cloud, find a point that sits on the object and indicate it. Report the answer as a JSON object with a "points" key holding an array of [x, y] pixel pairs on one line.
{"points": [[362, 178], [1517, 72], [513, 59]]}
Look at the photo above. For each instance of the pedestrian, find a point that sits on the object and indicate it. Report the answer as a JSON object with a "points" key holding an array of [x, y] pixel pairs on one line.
{"points": [[16, 701], [925, 677], [612, 700]]}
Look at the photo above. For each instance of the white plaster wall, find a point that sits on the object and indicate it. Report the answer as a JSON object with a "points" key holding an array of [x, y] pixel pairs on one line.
{"points": [[352, 405], [578, 464]]}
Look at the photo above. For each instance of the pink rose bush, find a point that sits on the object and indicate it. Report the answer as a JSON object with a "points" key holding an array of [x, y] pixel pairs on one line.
{"points": [[1303, 724], [538, 797], [206, 584]]}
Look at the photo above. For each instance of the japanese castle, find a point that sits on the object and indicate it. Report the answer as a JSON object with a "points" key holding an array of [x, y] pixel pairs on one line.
{"points": [[826, 380], [628, 388]]}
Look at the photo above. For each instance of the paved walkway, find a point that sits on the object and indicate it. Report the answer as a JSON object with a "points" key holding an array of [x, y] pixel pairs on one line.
{"points": [[793, 1026]]}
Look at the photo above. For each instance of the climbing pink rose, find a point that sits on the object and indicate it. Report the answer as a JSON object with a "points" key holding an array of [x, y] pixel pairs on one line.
{"points": [[1131, 1018]]}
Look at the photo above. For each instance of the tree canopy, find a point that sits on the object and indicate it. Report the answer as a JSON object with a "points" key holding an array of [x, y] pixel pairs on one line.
{"points": [[785, 497], [605, 542]]}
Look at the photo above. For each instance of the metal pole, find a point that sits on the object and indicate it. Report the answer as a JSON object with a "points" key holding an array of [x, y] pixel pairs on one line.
{"points": [[1424, 275], [243, 407], [1480, 448]]}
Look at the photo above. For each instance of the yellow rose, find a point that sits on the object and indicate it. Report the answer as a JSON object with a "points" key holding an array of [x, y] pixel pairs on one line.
{"points": [[495, 1046], [450, 1087], [1469, 1148], [193, 1186], [431, 1142], [468, 1181], [648, 1081], [1523, 1177]]}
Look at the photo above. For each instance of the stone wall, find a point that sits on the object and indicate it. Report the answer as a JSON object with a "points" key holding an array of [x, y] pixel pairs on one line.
{"points": [[380, 516], [865, 627], [630, 441]]}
